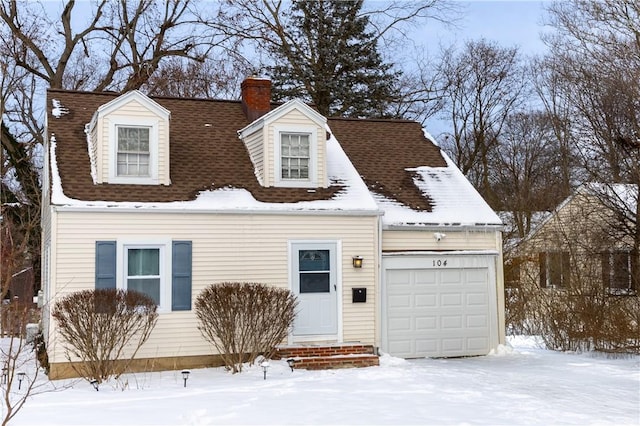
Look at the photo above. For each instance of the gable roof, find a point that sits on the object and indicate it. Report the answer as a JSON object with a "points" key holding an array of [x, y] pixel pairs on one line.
{"points": [[412, 180], [617, 195], [134, 95], [389, 165]]}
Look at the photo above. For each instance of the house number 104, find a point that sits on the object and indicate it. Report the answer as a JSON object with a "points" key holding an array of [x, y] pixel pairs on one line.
{"points": [[439, 262]]}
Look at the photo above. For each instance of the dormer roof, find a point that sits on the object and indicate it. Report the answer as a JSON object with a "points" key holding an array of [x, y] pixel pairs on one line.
{"points": [[139, 97], [280, 111]]}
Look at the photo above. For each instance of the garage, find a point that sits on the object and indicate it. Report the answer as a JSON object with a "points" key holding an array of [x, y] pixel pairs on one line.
{"points": [[439, 304]]}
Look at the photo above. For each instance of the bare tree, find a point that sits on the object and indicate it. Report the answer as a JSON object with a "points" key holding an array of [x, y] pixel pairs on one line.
{"points": [[98, 45], [485, 84], [334, 53], [595, 58], [525, 166]]}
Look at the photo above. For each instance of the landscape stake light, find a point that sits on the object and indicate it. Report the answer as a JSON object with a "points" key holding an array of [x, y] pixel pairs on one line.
{"points": [[4, 374], [20, 378], [185, 376], [291, 363], [95, 384], [265, 367]]}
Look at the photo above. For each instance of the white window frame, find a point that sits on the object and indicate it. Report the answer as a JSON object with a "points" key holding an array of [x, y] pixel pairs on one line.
{"points": [[152, 124], [312, 180], [165, 266]]}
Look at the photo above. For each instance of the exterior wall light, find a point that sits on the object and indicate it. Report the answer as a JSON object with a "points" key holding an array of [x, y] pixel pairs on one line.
{"points": [[357, 261], [20, 378], [185, 376]]}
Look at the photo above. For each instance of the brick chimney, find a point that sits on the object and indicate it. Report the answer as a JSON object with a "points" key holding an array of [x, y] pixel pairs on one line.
{"points": [[256, 97]]}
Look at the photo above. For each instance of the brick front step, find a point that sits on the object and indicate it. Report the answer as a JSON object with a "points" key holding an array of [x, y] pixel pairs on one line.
{"points": [[324, 357]]}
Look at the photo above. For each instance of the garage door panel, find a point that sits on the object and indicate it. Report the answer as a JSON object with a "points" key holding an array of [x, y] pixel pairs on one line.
{"points": [[450, 276], [454, 345], [451, 322], [402, 301], [426, 301], [477, 299], [399, 276], [475, 276], [427, 346], [477, 321], [425, 277], [477, 343], [451, 300], [428, 324], [400, 324], [437, 312], [401, 346]]}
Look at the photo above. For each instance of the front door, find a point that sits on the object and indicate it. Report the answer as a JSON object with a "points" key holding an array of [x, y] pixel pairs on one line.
{"points": [[314, 281]]}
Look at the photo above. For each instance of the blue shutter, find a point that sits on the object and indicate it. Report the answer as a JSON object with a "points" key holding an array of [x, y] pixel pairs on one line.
{"points": [[181, 276], [105, 264]]}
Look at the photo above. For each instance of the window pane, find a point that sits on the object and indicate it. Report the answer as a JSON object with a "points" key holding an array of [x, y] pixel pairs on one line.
{"points": [[148, 286], [143, 262], [555, 269], [313, 260], [133, 151], [314, 282], [295, 156], [621, 272]]}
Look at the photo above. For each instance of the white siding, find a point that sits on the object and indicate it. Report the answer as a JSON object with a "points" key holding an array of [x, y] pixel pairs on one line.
{"points": [[249, 248], [255, 146], [425, 240]]}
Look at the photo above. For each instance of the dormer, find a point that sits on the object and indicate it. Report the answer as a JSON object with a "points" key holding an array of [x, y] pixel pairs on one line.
{"points": [[128, 141], [288, 144]]}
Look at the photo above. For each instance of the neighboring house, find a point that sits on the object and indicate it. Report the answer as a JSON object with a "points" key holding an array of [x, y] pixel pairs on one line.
{"points": [[378, 234], [587, 242]]}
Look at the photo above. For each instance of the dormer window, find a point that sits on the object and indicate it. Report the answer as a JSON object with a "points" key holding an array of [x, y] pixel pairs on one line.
{"points": [[134, 144], [295, 156], [128, 141], [287, 147], [133, 151]]}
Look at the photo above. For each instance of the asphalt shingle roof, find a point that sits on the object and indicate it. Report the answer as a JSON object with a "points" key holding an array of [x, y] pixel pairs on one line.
{"points": [[210, 157]]}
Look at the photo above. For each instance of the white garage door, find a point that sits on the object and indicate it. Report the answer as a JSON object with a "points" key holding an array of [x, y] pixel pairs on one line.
{"points": [[437, 307]]}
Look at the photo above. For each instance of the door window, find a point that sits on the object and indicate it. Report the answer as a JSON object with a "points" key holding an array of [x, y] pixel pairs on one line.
{"points": [[315, 271]]}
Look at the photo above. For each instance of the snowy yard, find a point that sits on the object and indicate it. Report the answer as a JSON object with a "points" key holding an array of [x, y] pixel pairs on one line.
{"points": [[519, 385]]}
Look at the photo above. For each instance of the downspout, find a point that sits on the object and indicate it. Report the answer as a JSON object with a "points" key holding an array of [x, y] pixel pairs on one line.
{"points": [[500, 290], [379, 289]]}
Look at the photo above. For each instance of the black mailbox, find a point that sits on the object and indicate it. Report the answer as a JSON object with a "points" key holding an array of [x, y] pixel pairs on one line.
{"points": [[359, 295]]}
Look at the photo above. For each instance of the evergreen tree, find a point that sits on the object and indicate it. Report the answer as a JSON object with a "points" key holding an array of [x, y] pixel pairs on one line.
{"points": [[329, 56]]}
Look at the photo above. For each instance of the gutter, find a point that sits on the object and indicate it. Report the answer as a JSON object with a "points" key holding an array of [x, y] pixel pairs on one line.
{"points": [[149, 210]]}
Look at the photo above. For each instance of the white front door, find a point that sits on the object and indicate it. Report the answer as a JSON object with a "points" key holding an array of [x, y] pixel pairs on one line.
{"points": [[314, 281]]}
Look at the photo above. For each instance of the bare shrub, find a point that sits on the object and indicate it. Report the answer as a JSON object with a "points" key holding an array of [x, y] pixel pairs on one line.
{"points": [[581, 317], [244, 320], [21, 368], [104, 329]]}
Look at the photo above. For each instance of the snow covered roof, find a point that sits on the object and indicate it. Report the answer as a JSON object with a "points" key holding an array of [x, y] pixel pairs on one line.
{"points": [[611, 195], [383, 167]]}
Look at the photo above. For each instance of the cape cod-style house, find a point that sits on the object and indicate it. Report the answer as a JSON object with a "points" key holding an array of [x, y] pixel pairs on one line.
{"points": [[409, 254]]}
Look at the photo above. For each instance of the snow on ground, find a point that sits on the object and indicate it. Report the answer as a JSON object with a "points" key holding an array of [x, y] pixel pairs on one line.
{"points": [[517, 384]]}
